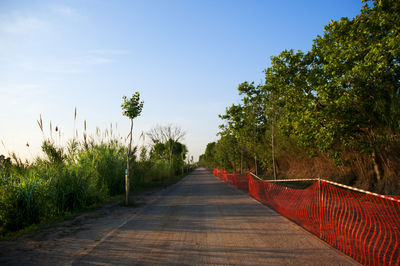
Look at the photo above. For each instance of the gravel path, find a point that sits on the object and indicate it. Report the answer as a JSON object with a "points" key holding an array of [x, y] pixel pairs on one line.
{"points": [[200, 220]]}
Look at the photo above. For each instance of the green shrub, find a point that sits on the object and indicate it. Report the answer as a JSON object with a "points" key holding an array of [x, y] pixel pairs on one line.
{"points": [[150, 172], [104, 164], [70, 191], [22, 201], [60, 183]]}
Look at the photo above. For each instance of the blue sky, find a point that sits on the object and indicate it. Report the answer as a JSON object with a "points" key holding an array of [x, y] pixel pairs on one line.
{"points": [[186, 58]]}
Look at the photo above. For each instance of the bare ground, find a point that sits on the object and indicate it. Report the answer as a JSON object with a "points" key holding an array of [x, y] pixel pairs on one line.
{"points": [[200, 220]]}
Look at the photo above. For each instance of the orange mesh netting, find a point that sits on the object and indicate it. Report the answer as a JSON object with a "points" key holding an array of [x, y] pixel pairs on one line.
{"points": [[240, 181], [363, 225]]}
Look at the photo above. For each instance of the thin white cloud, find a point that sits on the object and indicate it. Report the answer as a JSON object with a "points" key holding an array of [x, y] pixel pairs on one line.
{"points": [[94, 60], [22, 90], [66, 11], [17, 97], [110, 52], [22, 24], [67, 66], [18, 24]]}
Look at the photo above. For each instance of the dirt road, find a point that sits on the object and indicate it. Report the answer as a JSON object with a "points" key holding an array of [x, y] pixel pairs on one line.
{"points": [[200, 220]]}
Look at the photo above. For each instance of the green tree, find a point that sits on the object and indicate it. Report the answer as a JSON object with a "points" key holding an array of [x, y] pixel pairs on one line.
{"points": [[208, 158], [169, 135], [248, 123], [341, 99], [132, 108], [290, 97], [161, 152], [344, 93], [359, 92]]}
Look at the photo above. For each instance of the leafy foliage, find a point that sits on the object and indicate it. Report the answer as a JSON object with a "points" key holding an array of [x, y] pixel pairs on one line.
{"points": [[166, 144], [22, 201], [160, 152], [340, 99], [132, 107]]}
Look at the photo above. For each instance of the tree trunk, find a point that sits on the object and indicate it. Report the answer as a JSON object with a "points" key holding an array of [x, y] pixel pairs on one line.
{"points": [[183, 165], [377, 166], [241, 161], [170, 159], [255, 149], [127, 166], [273, 150], [255, 164]]}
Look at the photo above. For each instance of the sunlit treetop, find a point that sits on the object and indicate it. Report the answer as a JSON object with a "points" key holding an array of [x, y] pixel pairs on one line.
{"points": [[132, 107]]}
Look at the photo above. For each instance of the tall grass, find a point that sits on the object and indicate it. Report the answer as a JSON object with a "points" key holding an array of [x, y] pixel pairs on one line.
{"points": [[60, 182], [23, 201], [68, 178]]}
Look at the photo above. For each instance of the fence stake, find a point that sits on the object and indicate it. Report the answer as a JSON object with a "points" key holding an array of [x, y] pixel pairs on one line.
{"points": [[321, 201]]}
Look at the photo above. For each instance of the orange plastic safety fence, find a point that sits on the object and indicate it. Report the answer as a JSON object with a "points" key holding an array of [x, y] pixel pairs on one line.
{"points": [[363, 226], [240, 181]]}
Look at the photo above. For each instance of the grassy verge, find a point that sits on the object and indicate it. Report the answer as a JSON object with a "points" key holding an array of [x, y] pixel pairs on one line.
{"points": [[138, 188]]}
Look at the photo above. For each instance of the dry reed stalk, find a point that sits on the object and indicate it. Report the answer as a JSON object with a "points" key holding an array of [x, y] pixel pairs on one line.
{"points": [[40, 123], [51, 131], [73, 132], [4, 146]]}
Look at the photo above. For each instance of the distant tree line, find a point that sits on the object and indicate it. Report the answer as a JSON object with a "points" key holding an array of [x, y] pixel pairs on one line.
{"points": [[337, 104]]}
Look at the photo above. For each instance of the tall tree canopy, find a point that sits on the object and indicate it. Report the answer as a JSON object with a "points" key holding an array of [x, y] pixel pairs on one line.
{"points": [[342, 97], [166, 145]]}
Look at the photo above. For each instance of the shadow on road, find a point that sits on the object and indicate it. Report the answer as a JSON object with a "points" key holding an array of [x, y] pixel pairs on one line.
{"points": [[202, 220]]}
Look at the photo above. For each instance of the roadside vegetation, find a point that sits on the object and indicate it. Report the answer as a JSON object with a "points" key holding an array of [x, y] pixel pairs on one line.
{"points": [[83, 173], [331, 112]]}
